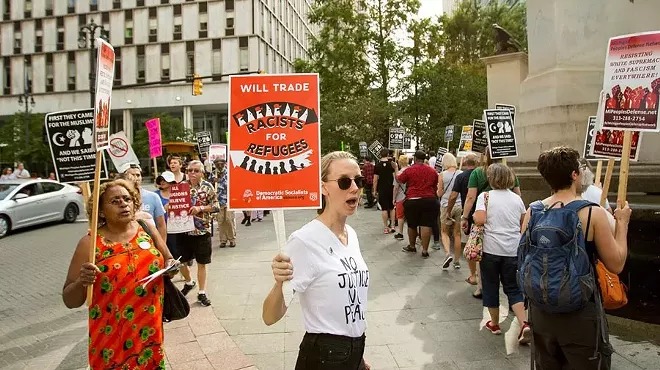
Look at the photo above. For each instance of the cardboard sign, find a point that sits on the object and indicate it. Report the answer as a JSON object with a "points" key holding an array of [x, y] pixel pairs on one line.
{"points": [[479, 136], [217, 151], [155, 144], [274, 133], [407, 141], [71, 141], [105, 72], [449, 133], [510, 108], [203, 142], [465, 145], [120, 150], [606, 143], [179, 219], [438, 158], [632, 83], [500, 133], [396, 137], [363, 149], [375, 149]]}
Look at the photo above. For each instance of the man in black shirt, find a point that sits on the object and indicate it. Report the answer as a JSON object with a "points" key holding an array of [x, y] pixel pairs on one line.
{"points": [[384, 189], [461, 187]]}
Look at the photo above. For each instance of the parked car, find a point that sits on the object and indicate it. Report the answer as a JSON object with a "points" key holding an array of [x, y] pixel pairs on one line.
{"points": [[26, 203]]}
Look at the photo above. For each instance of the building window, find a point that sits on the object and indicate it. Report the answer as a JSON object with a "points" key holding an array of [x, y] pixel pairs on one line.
{"points": [[71, 7], [28, 73], [116, 4], [27, 9], [229, 28], [7, 77], [93, 5], [39, 40], [190, 58], [17, 43], [117, 66], [203, 7], [153, 12], [6, 15], [50, 74], [82, 20], [229, 5], [203, 25], [140, 2], [244, 54], [216, 61], [49, 7], [105, 17], [141, 74], [165, 62], [153, 29], [177, 9], [177, 27], [71, 71], [164, 2], [128, 32]]}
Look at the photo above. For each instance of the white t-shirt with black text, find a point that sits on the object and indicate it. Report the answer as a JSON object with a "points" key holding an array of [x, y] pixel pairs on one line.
{"points": [[331, 280], [502, 227]]}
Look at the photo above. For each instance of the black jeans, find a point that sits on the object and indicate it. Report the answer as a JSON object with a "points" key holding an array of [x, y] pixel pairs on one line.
{"points": [[368, 188], [331, 352]]}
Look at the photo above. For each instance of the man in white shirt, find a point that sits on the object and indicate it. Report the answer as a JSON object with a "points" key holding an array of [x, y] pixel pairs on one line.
{"points": [[20, 172]]}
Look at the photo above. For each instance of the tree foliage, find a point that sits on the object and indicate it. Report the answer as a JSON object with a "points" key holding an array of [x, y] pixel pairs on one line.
{"points": [[36, 155], [171, 130]]}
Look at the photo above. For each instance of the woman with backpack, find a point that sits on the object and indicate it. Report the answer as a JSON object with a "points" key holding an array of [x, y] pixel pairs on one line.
{"points": [[449, 228], [501, 211], [565, 305]]}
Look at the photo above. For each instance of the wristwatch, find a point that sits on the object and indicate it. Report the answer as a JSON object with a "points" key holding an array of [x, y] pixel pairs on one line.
{"points": [[464, 217]]}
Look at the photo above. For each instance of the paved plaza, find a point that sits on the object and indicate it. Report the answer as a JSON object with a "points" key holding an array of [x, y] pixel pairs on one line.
{"points": [[419, 316]]}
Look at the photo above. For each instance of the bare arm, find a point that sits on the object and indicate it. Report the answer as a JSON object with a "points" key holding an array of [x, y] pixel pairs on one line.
{"points": [[159, 241], [517, 190], [80, 274], [452, 199], [441, 186], [612, 249], [161, 227], [375, 186], [274, 307], [479, 217], [469, 201]]}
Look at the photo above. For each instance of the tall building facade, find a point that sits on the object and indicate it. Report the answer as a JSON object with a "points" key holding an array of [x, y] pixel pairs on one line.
{"points": [[154, 40]]}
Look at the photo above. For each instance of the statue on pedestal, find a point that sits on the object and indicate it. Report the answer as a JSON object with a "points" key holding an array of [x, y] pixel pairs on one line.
{"points": [[504, 42]]}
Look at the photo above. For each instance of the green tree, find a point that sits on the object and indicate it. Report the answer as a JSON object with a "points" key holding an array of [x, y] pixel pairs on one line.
{"points": [[36, 155], [171, 130]]}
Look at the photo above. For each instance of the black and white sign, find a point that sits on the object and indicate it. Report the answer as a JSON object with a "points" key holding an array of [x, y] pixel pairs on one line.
{"points": [[407, 141], [591, 132], [449, 133], [438, 158], [510, 108], [479, 139], [363, 149], [501, 135], [203, 142], [396, 137], [71, 139], [375, 148]]}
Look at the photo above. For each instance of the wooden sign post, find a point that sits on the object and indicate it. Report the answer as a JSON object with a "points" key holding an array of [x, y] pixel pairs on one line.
{"points": [[599, 171], [624, 169], [608, 179], [94, 220]]}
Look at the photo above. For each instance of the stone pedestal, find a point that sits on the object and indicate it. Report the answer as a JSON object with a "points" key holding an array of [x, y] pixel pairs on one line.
{"points": [[567, 45], [505, 74]]}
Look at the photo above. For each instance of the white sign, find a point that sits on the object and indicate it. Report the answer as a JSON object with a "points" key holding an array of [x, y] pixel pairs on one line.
{"points": [[120, 150], [217, 151], [105, 71]]}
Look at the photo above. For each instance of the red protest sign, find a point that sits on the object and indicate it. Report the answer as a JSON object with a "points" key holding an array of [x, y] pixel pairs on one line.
{"points": [[179, 220]]}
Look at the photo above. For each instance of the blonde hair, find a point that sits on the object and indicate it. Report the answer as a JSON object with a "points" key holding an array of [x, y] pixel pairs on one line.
{"points": [[403, 161], [449, 161], [500, 176], [326, 161], [137, 200]]}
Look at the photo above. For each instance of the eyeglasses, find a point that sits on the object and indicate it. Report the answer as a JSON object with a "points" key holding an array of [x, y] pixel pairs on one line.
{"points": [[193, 170], [344, 183]]}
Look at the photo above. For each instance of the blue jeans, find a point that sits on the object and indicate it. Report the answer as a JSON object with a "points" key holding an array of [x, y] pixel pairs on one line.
{"points": [[496, 269]]}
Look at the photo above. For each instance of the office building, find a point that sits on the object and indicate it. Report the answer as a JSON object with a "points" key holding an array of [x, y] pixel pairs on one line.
{"points": [[154, 40]]}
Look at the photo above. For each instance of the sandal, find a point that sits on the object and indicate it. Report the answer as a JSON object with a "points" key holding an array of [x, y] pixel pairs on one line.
{"points": [[408, 248], [471, 280]]}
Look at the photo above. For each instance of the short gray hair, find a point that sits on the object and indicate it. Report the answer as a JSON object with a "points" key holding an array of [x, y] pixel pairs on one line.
{"points": [[195, 162]]}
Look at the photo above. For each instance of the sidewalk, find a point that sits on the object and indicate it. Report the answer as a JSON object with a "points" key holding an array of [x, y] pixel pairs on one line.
{"points": [[419, 316]]}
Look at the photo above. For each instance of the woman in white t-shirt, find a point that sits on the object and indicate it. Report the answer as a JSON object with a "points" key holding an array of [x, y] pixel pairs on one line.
{"points": [[322, 260], [501, 211]]}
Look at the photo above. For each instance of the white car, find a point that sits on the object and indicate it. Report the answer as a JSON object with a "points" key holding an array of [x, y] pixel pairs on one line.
{"points": [[26, 203]]}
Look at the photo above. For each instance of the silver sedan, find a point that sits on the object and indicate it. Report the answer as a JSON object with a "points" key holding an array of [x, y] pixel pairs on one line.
{"points": [[26, 203]]}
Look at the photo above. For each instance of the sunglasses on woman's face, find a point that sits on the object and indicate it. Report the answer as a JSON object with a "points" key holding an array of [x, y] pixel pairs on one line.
{"points": [[344, 183]]}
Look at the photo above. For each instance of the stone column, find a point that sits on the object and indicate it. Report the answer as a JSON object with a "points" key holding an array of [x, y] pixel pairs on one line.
{"points": [[187, 117], [567, 45], [505, 74], [127, 127]]}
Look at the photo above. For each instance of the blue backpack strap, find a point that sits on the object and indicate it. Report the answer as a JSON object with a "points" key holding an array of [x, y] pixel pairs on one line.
{"points": [[578, 205]]}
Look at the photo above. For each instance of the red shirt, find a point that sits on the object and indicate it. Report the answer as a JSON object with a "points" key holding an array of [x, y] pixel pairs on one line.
{"points": [[368, 172], [422, 181]]}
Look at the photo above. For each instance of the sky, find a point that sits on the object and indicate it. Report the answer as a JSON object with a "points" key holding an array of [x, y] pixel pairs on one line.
{"points": [[431, 8]]}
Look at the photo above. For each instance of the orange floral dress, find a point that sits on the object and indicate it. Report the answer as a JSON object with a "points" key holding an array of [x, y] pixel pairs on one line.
{"points": [[126, 320]]}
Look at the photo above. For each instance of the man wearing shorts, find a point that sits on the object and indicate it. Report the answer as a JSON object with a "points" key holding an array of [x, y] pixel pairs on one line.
{"points": [[384, 189], [421, 205], [197, 243]]}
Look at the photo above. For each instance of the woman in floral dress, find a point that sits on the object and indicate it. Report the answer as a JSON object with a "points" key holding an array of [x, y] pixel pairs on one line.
{"points": [[125, 319]]}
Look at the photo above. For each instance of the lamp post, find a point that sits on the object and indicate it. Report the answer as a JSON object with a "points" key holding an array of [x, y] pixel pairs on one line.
{"points": [[87, 40], [27, 99]]}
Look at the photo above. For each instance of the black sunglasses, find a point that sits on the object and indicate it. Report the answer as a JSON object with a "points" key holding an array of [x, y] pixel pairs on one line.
{"points": [[344, 183]]}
